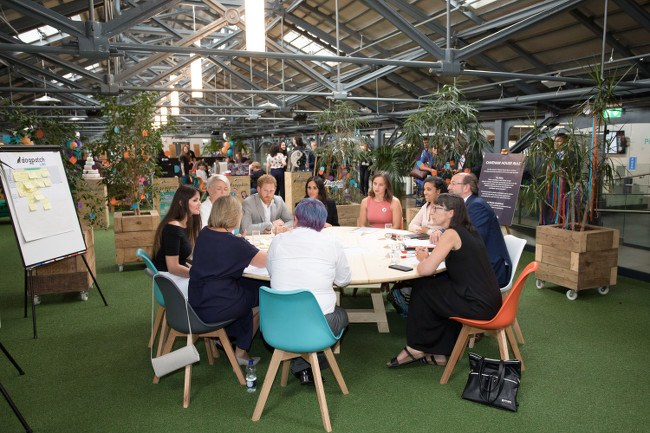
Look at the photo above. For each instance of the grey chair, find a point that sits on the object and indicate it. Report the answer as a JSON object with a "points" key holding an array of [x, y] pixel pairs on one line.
{"points": [[177, 320]]}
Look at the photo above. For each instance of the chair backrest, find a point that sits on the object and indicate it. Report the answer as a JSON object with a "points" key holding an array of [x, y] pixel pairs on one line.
{"points": [[293, 321], [177, 313], [508, 311], [515, 247], [147, 261]]}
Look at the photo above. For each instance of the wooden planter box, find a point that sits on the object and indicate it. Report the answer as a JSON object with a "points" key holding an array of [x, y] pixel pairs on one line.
{"points": [[67, 275], [348, 214], [132, 232], [577, 260]]}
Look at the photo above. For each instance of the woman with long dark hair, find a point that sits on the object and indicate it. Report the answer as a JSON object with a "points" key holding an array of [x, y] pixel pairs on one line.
{"points": [[176, 235], [471, 289], [315, 188], [421, 222]]}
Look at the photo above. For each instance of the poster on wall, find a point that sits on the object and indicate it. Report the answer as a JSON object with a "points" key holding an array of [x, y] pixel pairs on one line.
{"points": [[500, 182], [240, 186]]}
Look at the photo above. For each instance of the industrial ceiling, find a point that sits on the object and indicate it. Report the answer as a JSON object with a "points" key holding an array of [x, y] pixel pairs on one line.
{"points": [[514, 58]]}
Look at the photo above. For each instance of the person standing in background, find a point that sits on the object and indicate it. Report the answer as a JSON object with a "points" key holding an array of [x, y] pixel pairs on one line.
{"points": [[276, 163]]}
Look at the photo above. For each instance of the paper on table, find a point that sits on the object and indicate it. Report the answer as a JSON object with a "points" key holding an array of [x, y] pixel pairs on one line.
{"points": [[364, 230], [412, 243], [254, 270]]}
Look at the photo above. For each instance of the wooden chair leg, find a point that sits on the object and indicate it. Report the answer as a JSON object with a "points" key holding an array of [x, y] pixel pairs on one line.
{"points": [[503, 344], [230, 354], [268, 383], [209, 344], [520, 336], [515, 347], [320, 391], [331, 360], [188, 378], [456, 353], [163, 333], [284, 378], [156, 325]]}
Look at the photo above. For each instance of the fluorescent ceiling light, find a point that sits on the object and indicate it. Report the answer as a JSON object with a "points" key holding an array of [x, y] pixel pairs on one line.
{"points": [[255, 26], [268, 105], [553, 84]]}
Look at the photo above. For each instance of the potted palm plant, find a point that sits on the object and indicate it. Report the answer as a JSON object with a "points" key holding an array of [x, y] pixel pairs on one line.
{"points": [[338, 157], [129, 150], [568, 175]]}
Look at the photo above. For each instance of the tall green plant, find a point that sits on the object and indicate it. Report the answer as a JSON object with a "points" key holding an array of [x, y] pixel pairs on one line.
{"points": [[129, 149], [568, 178], [341, 151], [396, 160], [452, 126]]}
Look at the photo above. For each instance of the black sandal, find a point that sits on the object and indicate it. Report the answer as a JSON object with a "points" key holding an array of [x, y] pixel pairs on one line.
{"points": [[431, 360], [395, 364]]}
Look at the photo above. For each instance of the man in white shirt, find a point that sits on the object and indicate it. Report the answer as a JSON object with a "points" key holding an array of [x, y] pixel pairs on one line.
{"points": [[217, 186], [306, 258]]}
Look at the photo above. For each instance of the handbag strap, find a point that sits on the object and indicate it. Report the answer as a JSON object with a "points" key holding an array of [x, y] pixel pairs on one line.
{"points": [[187, 311], [500, 375]]}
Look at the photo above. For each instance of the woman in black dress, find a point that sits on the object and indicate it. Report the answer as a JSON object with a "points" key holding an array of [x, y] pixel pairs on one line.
{"points": [[217, 290], [315, 188], [471, 289], [176, 235]]}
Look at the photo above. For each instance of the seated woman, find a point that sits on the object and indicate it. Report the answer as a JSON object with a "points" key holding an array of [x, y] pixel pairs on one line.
{"points": [[315, 188], [217, 290], [471, 290], [421, 223], [176, 235], [380, 207]]}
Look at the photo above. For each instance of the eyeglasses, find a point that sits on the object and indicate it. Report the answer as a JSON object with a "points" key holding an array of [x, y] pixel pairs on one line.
{"points": [[438, 208]]}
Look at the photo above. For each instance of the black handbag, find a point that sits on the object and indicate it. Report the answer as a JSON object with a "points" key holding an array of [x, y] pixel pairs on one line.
{"points": [[493, 382]]}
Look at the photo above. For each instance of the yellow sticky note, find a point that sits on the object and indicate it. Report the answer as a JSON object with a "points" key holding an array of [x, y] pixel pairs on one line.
{"points": [[38, 195], [21, 190], [47, 182], [33, 207], [46, 204], [45, 173], [34, 174], [28, 185], [39, 183], [20, 175]]}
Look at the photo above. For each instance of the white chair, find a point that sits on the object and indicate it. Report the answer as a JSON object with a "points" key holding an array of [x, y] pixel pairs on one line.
{"points": [[515, 248]]}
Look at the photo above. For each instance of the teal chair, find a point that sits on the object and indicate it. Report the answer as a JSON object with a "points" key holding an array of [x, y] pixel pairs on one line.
{"points": [[160, 320], [293, 323]]}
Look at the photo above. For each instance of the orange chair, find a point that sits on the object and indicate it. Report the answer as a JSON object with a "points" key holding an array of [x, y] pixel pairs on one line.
{"points": [[501, 324]]}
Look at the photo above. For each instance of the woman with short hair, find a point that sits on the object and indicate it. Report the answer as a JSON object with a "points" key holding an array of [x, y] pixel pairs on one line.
{"points": [[217, 289]]}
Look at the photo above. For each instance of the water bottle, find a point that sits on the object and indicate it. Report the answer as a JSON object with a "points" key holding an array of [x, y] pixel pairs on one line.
{"points": [[251, 377]]}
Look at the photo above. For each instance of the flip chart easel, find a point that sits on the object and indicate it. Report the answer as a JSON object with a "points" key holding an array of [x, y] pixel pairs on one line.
{"points": [[43, 213]]}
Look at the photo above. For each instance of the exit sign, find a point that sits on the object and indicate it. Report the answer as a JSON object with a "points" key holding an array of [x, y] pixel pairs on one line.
{"points": [[614, 112]]}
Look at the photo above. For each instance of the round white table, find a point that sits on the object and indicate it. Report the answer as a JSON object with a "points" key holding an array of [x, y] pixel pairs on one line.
{"points": [[368, 253]]}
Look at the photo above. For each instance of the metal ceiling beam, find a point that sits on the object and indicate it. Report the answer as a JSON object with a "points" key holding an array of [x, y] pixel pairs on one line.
{"points": [[48, 16], [135, 15], [406, 27], [29, 22], [597, 30], [504, 34], [639, 14]]}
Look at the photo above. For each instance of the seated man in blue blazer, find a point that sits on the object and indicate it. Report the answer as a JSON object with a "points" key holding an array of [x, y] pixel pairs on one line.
{"points": [[486, 223], [265, 211]]}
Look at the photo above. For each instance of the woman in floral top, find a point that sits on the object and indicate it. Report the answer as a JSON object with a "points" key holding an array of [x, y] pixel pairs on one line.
{"points": [[276, 162]]}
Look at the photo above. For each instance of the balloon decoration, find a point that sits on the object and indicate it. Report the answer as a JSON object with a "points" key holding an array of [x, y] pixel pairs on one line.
{"points": [[229, 152]]}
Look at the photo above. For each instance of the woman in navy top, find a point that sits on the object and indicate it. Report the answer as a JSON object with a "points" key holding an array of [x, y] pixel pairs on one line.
{"points": [[315, 188], [217, 290]]}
